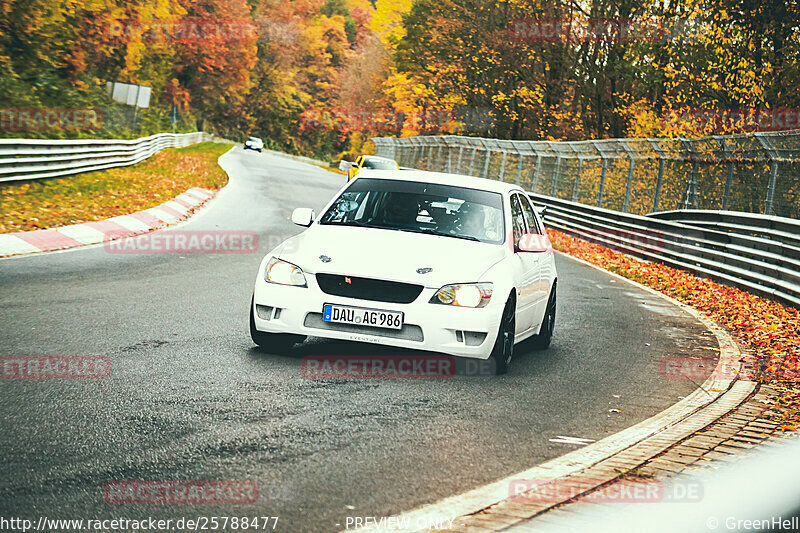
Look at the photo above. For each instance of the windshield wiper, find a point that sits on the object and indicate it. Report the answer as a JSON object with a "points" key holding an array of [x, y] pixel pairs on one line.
{"points": [[358, 224], [443, 234]]}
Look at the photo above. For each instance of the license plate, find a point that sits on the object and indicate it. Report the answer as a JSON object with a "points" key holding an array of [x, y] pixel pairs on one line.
{"points": [[359, 316]]}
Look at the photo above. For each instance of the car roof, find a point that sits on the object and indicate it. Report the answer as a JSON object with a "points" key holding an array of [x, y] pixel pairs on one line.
{"points": [[440, 178], [378, 158]]}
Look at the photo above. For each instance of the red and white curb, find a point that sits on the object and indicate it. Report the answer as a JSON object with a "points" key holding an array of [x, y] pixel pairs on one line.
{"points": [[48, 240]]}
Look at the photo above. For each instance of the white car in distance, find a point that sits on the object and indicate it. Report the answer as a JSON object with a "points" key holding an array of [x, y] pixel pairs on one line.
{"points": [[254, 143], [422, 260]]}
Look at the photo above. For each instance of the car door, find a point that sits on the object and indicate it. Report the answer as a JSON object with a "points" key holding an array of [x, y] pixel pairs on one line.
{"points": [[527, 265], [540, 260]]}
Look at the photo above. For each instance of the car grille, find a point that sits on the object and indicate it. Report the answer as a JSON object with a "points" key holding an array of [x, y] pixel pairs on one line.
{"points": [[376, 290]]}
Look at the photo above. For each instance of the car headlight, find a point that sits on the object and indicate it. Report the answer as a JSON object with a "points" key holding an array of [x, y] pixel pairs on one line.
{"points": [[284, 273], [464, 295]]}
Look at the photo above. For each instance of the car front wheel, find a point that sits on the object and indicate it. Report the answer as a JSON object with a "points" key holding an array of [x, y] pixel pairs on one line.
{"points": [[273, 342], [503, 350], [542, 340]]}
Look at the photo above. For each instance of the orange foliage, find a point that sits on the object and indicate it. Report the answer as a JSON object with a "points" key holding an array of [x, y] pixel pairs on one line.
{"points": [[767, 329]]}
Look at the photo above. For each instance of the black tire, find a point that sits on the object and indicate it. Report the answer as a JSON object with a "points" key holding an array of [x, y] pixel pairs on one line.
{"points": [[541, 341], [503, 350], [273, 342]]}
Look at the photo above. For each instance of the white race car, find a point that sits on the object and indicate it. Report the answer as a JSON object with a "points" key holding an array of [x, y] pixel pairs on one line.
{"points": [[429, 261]]}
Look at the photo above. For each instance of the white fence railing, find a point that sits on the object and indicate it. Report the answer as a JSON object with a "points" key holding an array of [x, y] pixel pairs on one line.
{"points": [[30, 159], [754, 172]]}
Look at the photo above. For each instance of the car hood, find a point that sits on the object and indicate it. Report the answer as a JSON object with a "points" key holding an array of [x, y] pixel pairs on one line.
{"points": [[391, 255]]}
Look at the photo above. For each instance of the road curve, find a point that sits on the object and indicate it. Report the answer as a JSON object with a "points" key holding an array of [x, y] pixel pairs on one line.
{"points": [[191, 398]]}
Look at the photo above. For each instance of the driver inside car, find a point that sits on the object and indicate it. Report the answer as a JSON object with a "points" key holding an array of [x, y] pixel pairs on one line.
{"points": [[471, 220], [402, 209]]}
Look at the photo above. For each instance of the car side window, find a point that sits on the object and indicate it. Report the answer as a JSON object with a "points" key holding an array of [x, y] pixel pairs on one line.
{"points": [[517, 218], [530, 215]]}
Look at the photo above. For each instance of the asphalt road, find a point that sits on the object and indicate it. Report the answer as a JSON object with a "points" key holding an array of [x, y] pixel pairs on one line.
{"points": [[190, 397]]}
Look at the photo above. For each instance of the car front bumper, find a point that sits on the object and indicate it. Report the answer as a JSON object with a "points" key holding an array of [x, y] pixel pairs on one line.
{"points": [[451, 330]]}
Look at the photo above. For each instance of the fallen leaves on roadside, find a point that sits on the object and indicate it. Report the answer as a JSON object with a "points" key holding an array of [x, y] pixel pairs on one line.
{"points": [[767, 329]]}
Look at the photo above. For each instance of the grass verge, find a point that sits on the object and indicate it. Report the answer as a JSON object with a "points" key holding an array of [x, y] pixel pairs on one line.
{"points": [[55, 202]]}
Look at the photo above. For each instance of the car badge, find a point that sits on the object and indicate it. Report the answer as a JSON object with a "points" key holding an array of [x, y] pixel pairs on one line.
{"points": [[325, 259], [424, 270], [348, 280]]}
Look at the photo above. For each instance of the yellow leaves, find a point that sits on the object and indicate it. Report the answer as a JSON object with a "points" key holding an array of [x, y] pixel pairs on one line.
{"points": [[387, 20]]}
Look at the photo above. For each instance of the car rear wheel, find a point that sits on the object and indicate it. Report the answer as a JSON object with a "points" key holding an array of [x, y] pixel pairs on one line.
{"points": [[272, 342], [542, 340], [503, 350]]}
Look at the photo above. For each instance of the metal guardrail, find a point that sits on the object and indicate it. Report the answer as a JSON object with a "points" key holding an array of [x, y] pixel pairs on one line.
{"points": [[757, 172], [30, 159], [757, 253]]}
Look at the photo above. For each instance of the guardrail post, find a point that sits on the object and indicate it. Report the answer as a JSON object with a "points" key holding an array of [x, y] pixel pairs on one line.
{"points": [[537, 172], [602, 186], [773, 181], [503, 166], [486, 164], [458, 165], [773, 171], [440, 155], [449, 167], [577, 180], [556, 172], [428, 157], [660, 179], [690, 200], [690, 196], [629, 184], [519, 167], [726, 195], [472, 160]]}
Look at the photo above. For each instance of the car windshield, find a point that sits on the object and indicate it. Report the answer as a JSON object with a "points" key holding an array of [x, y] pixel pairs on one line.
{"points": [[254, 139], [420, 207], [380, 164]]}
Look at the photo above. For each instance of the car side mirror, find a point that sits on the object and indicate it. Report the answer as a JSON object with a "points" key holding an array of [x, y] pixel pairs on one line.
{"points": [[533, 242], [303, 216], [345, 165]]}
